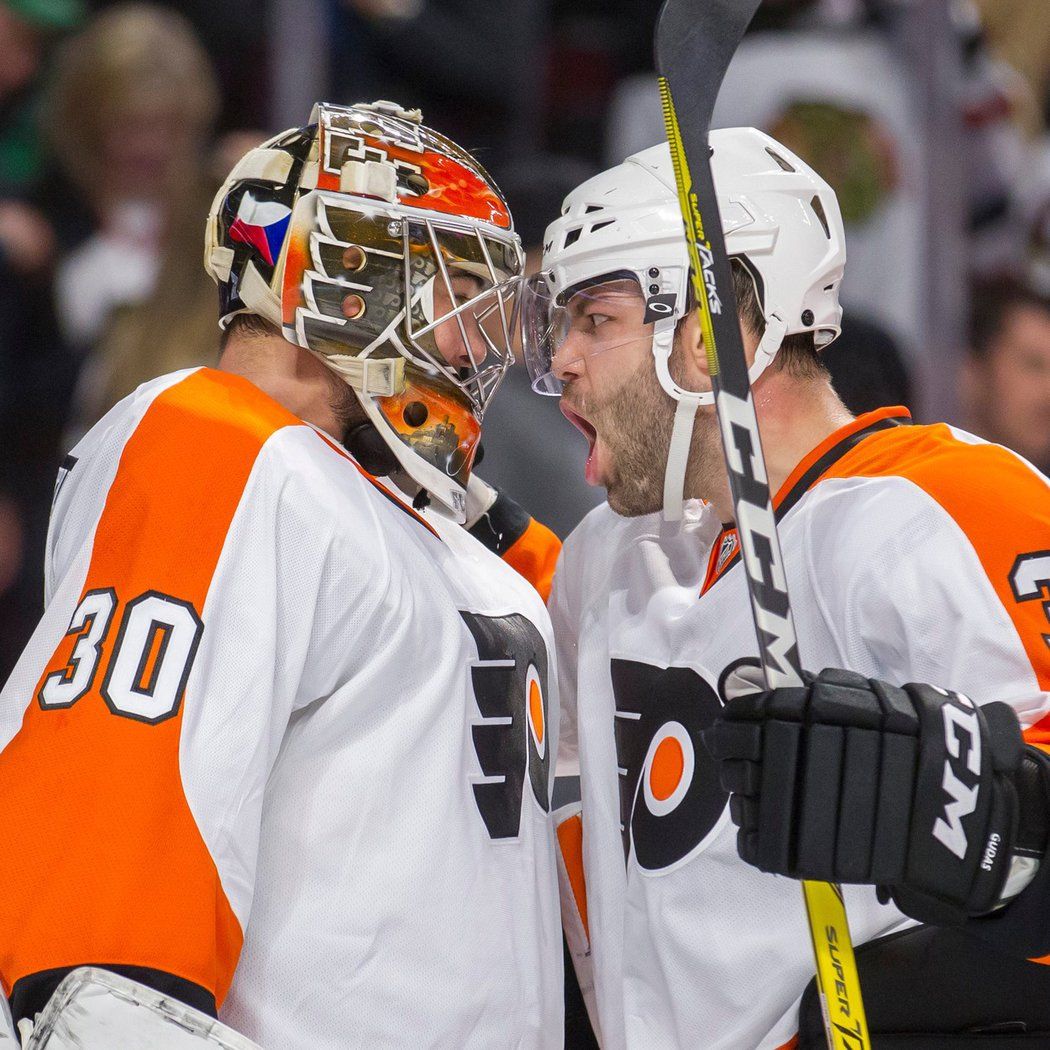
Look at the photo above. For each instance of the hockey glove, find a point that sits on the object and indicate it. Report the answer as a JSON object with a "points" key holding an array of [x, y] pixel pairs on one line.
{"points": [[912, 789]]}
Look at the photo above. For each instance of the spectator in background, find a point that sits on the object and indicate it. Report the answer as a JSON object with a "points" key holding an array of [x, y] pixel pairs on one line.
{"points": [[29, 349], [235, 35], [1018, 31], [27, 30], [475, 68], [129, 118], [867, 368], [1005, 379]]}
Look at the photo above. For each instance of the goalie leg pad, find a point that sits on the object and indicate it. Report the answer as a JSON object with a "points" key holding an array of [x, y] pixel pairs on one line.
{"points": [[95, 1009]]}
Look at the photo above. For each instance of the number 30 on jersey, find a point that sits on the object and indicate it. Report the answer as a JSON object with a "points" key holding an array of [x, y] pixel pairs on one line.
{"points": [[145, 668]]}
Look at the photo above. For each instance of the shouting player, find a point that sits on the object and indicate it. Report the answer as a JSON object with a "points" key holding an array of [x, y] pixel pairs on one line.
{"points": [[279, 747], [912, 554]]}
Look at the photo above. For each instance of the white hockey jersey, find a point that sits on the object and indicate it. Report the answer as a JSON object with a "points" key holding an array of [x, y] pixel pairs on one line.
{"points": [[912, 554], [281, 736]]}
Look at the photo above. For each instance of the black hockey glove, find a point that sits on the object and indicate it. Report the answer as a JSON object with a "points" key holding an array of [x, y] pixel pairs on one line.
{"points": [[912, 789]]}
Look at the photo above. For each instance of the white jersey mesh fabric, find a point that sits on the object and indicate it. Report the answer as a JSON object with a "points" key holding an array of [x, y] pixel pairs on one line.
{"points": [[889, 575]]}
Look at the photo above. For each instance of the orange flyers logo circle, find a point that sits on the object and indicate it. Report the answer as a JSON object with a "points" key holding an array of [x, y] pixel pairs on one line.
{"points": [[668, 768], [537, 721]]}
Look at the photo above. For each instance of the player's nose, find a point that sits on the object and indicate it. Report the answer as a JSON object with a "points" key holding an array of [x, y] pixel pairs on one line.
{"points": [[461, 347], [567, 362]]}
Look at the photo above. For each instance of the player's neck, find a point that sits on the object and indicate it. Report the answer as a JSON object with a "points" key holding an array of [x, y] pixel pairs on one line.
{"points": [[292, 376], [794, 416]]}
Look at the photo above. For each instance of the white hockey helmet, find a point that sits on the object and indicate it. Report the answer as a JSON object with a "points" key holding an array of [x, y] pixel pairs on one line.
{"points": [[340, 233], [781, 220]]}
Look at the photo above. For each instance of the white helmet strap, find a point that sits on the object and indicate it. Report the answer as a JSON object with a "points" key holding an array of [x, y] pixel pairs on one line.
{"points": [[767, 347], [372, 376], [678, 456], [690, 400]]}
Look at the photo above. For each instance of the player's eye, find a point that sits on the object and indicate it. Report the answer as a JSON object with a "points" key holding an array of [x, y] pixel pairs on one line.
{"points": [[466, 288]]}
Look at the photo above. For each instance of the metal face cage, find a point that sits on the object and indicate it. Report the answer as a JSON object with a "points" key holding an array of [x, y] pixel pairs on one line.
{"points": [[373, 288]]}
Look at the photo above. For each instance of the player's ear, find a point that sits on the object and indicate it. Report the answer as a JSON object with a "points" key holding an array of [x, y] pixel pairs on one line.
{"points": [[689, 343]]}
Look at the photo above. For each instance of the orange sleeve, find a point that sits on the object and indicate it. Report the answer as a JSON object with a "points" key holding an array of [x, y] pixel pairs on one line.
{"points": [[1001, 505], [104, 862], [534, 554]]}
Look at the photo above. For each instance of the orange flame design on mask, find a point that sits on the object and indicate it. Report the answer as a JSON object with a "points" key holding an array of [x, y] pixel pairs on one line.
{"points": [[453, 186], [449, 436]]}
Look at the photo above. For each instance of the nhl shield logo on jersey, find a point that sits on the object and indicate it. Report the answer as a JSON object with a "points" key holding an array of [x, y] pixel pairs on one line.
{"points": [[726, 550], [670, 798]]}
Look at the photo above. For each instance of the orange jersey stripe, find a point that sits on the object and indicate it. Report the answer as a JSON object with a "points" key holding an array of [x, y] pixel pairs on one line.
{"points": [[570, 842], [999, 503], [106, 863], [534, 554], [836, 438]]}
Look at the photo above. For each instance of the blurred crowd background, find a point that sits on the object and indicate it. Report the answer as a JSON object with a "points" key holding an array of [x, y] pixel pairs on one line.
{"points": [[119, 120]]}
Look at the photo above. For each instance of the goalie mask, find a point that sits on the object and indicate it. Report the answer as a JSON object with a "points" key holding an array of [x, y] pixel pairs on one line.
{"points": [[389, 253]]}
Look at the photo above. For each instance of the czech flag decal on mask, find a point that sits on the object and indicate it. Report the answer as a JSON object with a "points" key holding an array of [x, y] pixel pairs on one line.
{"points": [[262, 224]]}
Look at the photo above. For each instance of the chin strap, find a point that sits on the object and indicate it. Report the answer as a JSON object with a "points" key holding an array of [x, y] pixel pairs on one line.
{"points": [[688, 401], [767, 347], [678, 456], [373, 376]]}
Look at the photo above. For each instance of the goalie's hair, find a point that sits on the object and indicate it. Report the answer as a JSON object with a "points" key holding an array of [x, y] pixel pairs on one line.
{"points": [[251, 325]]}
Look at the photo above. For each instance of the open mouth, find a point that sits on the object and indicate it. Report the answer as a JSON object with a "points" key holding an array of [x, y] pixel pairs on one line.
{"points": [[589, 432], [581, 424]]}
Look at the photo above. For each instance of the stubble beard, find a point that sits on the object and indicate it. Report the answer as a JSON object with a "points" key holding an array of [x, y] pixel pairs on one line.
{"points": [[635, 423]]}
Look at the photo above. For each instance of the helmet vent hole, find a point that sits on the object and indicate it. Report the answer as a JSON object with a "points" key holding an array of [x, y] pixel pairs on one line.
{"points": [[781, 163], [417, 183], [592, 207], [573, 236], [818, 210], [353, 258], [415, 413], [353, 307], [601, 225]]}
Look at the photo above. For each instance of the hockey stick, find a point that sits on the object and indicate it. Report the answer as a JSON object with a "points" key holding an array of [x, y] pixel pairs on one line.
{"points": [[695, 40]]}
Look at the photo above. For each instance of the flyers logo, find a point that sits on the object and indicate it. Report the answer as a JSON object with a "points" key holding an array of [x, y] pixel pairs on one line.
{"points": [[511, 736], [670, 797]]}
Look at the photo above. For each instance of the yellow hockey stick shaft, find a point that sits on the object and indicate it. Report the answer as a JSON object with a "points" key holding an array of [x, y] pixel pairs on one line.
{"points": [[838, 983]]}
